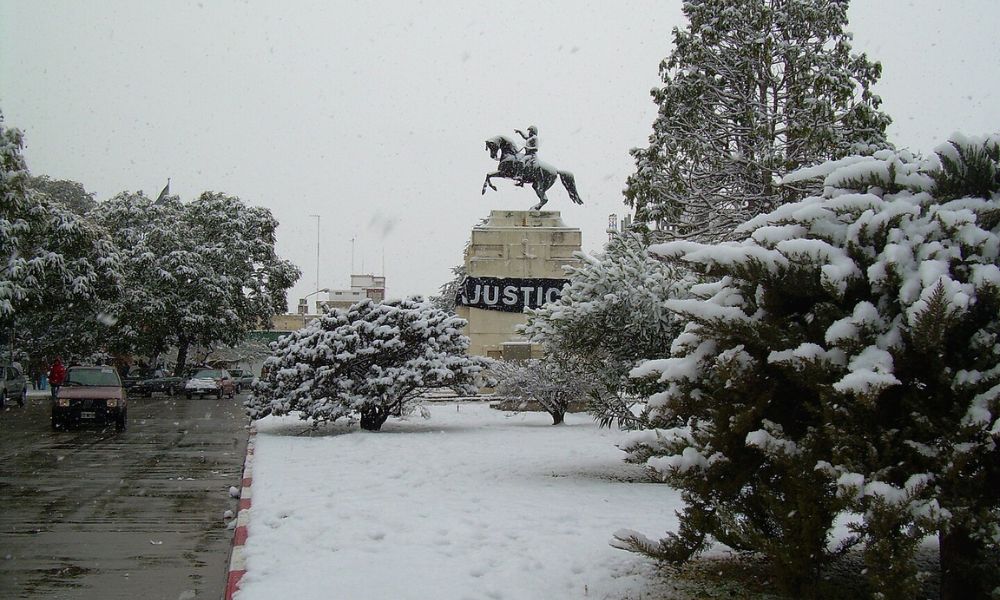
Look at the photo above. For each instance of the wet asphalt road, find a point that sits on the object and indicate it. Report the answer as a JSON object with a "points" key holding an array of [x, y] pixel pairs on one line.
{"points": [[91, 513]]}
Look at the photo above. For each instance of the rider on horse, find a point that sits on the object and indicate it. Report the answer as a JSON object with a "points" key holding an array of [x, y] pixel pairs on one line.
{"points": [[523, 166], [530, 149]]}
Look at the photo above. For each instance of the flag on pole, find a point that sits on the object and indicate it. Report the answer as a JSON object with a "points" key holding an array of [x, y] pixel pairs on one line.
{"points": [[164, 192]]}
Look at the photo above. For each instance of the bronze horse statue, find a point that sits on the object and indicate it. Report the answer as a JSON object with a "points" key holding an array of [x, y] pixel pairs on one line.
{"points": [[512, 165]]}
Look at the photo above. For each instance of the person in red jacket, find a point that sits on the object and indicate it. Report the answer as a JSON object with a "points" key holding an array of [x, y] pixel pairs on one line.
{"points": [[57, 373]]}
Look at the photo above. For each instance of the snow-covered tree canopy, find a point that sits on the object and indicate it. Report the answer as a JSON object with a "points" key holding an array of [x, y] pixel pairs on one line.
{"points": [[58, 271], [847, 357], [71, 195], [372, 359], [202, 273], [753, 90], [611, 315]]}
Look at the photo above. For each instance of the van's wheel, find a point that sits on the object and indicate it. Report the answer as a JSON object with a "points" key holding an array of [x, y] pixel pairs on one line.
{"points": [[218, 395]]}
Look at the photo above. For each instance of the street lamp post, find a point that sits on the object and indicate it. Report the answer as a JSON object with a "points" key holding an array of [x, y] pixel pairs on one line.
{"points": [[320, 291]]}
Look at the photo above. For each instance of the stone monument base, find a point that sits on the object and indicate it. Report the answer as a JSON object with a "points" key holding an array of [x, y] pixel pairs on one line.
{"points": [[520, 252]]}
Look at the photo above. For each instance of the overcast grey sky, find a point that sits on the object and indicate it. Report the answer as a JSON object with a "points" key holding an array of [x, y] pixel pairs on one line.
{"points": [[373, 114]]}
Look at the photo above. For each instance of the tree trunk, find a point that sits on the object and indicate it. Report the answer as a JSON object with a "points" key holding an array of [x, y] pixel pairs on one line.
{"points": [[372, 418], [962, 566], [557, 416], [182, 352]]}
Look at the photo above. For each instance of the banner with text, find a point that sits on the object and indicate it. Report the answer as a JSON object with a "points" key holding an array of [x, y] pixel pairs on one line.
{"points": [[508, 294]]}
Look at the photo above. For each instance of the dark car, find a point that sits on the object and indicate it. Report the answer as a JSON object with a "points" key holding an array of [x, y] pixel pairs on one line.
{"points": [[210, 382], [133, 379], [90, 394], [243, 379], [158, 381], [13, 385]]}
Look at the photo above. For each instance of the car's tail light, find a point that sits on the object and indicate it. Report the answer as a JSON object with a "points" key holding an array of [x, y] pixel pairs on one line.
{"points": [[63, 402], [112, 402]]}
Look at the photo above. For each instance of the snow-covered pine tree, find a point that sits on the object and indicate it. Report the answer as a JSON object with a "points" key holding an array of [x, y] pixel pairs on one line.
{"points": [[846, 359], [372, 359], [57, 273], [610, 315], [448, 292], [753, 90], [921, 395]]}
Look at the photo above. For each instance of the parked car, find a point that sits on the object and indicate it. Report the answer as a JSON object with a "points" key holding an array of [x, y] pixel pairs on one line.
{"points": [[90, 394], [158, 381], [13, 385], [214, 382], [133, 379], [243, 379]]}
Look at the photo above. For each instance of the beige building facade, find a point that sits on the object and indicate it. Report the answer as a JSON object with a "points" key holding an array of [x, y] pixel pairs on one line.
{"points": [[290, 322], [362, 286], [516, 258]]}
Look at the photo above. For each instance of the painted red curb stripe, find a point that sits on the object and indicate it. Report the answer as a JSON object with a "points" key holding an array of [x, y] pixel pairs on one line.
{"points": [[233, 583], [240, 537], [237, 562]]}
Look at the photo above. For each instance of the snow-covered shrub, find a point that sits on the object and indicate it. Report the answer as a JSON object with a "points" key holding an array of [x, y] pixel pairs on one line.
{"points": [[846, 359], [372, 359], [611, 315], [549, 382]]}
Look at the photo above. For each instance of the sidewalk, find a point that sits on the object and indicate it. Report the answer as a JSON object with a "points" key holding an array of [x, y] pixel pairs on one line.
{"points": [[473, 503]]}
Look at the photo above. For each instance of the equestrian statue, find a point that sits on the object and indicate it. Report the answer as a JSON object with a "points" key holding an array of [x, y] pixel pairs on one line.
{"points": [[524, 167]]}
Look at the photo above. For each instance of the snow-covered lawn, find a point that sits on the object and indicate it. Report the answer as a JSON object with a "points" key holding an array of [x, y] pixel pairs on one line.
{"points": [[472, 503]]}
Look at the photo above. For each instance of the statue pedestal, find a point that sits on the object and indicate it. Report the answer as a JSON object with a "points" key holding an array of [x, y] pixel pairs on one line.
{"points": [[516, 258]]}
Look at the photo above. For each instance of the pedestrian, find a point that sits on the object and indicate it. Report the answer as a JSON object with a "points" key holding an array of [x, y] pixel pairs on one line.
{"points": [[36, 376], [57, 373]]}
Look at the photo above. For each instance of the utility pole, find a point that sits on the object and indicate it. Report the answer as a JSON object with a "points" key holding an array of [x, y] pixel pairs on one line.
{"points": [[317, 250]]}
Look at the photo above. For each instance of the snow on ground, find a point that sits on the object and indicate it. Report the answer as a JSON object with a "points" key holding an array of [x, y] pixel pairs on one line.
{"points": [[472, 503]]}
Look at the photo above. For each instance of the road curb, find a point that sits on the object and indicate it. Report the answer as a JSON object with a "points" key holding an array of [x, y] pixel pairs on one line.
{"points": [[237, 558]]}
